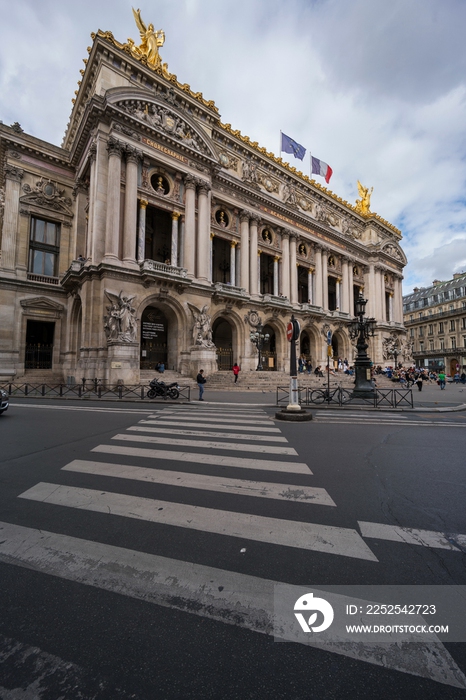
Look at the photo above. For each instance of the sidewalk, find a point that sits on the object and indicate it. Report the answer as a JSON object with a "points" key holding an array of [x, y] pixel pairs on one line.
{"points": [[431, 398]]}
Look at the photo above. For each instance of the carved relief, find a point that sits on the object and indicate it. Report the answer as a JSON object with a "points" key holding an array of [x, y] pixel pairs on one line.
{"points": [[393, 251], [202, 329], [162, 119], [228, 161], [47, 194], [289, 195], [268, 183], [249, 171], [253, 318], [120, 324], [325, 215], [350, 229]]}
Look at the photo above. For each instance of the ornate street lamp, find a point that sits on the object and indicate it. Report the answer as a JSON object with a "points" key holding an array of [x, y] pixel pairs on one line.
{"points": [[362, 329], [258, 338]]}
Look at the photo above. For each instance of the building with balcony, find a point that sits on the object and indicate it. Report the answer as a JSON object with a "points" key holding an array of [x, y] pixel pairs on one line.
{"points": [[156, 232], [435, 320]]}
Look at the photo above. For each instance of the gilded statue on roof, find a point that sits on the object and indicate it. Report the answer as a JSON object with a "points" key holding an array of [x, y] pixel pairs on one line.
{"points": [[151, 40], [363, 204]]}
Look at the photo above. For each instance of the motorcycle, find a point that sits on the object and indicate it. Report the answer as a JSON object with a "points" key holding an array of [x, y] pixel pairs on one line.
{"points": [[164, 390]]}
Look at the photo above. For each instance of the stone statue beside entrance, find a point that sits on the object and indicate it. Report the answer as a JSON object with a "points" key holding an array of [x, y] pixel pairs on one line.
{"points": [[202, 329], [120, 324]]}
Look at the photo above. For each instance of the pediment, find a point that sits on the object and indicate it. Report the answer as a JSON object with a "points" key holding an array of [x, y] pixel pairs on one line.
{"points": [[394, 251], [163, 116], [42, 304], [47, 194]]}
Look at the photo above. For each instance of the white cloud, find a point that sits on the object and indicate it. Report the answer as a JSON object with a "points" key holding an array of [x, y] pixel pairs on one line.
{"points": [[375, 89]]}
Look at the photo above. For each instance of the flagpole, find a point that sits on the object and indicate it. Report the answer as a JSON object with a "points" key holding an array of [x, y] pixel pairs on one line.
{"points": [[280, 146]]}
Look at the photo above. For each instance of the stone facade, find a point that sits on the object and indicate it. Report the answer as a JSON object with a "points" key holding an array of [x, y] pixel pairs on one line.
{"points": [[158, 233], [435, 319]]}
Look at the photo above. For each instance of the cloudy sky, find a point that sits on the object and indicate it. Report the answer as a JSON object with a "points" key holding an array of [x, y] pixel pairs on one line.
{"points": [[376, 89]]}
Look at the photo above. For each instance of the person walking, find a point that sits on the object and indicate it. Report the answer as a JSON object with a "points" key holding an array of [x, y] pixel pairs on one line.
{"points": [[419, 381], [236, 371], [441, 379], [201, 380]]}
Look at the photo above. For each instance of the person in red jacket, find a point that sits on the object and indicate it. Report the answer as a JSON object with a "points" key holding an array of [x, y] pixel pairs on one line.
{"points": [[236, 371]]}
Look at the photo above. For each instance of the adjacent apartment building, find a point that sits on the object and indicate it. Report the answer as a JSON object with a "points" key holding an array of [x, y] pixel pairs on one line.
{"points": [[156, 232], [435, 320]]}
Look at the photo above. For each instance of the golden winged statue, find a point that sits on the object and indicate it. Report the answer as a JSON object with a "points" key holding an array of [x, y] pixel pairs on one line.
{"points": [[151, 41], [363, 204]]}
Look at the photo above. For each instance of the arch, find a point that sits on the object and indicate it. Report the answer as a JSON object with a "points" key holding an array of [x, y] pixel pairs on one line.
{"points": [[170, 314], [222, 336], [276, 350]]}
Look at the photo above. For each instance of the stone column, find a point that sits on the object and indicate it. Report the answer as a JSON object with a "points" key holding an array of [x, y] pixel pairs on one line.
{"points": [[189, 242], [286, 264], [325, 280], [203, 233], [338, 294], [237, 265], [259, 252], [318, 286], [233, 263], [369, 290], [344, 286], [350, 289], [381, 311], [13, 177], [253, 275], [275, 275], [142, 230], [244, 250], [112, 231], [293, 269], [310, 285], [211, 257], [181, 242], [398, 301], [390, 307], [90, 215], [131, 202], [174, 241], [99, 206]]}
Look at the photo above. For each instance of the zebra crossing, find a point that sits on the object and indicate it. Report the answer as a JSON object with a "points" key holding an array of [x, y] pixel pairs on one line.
{"points": [[366, 418], [219, 439]]}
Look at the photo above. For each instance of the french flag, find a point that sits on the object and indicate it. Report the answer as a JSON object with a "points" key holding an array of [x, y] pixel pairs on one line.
{"points": [[320, 168]]}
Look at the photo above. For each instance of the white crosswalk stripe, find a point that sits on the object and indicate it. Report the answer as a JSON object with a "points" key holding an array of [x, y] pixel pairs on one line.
{"points": [[241, 487], [207, 433], [247, 599]]}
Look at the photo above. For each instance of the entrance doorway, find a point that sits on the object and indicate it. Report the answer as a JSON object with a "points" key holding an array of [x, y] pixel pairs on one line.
{"points": [[154, 338], [269, 351], [39, 345], [222, 338]]}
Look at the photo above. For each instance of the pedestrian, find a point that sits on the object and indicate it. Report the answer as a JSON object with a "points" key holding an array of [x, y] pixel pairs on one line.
{"points": [[236, 371], [301, 363], [419, 382], [441, 379], [201, 380], [162, 367], [309, 366]]}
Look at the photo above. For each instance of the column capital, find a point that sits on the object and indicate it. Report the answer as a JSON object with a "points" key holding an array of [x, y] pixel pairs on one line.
{"points": [[294, 236], [245, 215], [285, 234], [259, 253], [13, 173], [190, 182], [133, 155], [212, 235], [204, 187], [276, 258], [255, 219], [115, 147], [175, 215], [233, 244], [93, 152], [143, 203]]}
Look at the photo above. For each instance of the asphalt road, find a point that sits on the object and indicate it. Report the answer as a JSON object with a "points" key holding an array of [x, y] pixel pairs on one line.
{"points": [[83, 617]]}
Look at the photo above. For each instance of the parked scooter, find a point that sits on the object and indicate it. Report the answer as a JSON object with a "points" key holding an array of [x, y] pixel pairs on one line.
{"points": [[164, 390]]}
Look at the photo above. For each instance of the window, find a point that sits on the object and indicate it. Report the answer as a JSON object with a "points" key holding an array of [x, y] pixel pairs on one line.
{"points": [[440, 327], [431, 345], [453, 343], [411, 317], [421, 346], [43, 247], [431, 328], [421, 331], [442, 345], [464, 341], [463, 324], [435, 298], [452, 307], [411, 332], [452, 324]]}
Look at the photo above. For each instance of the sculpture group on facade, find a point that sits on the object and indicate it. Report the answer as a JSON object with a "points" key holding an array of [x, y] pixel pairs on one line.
{"points": [[120, 324], [202, 329]]}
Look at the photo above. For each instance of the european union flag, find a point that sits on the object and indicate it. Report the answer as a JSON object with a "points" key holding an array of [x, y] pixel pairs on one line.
{"points": [[291, 146]]}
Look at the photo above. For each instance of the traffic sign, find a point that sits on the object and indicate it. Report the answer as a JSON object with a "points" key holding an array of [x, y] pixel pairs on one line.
{"points": [[293, 330], [329, 337], [290, 331]]}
